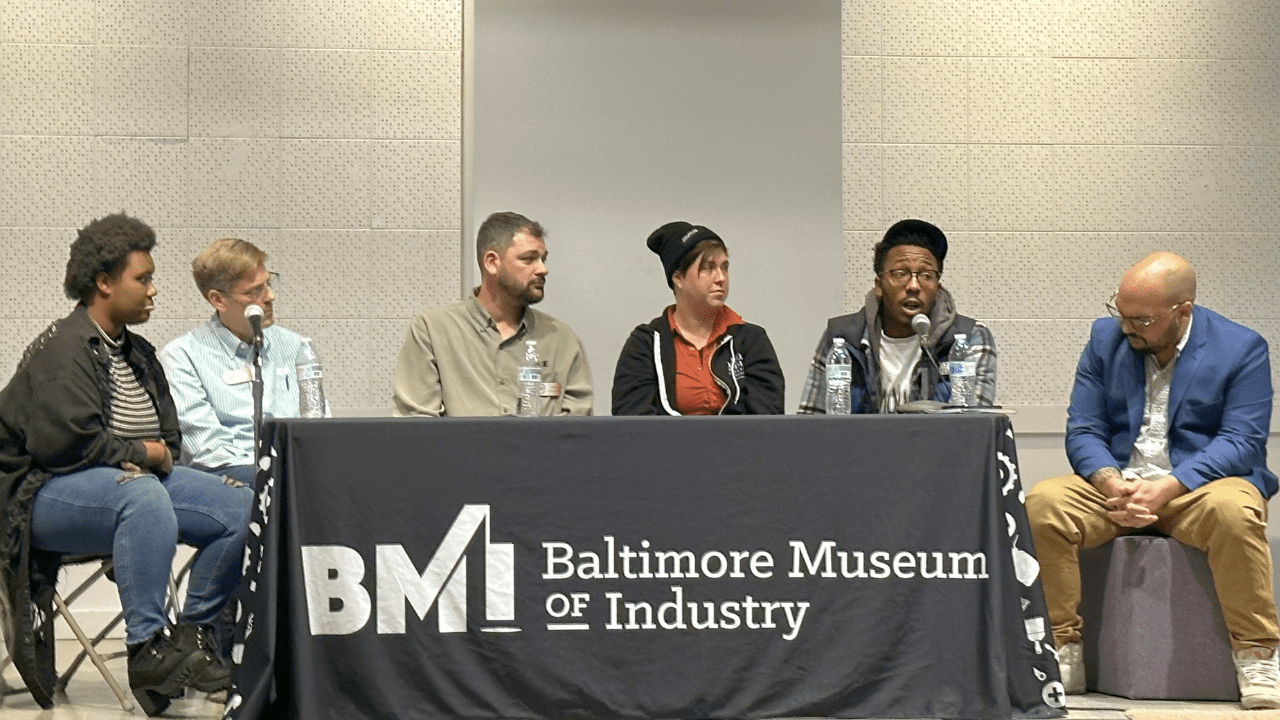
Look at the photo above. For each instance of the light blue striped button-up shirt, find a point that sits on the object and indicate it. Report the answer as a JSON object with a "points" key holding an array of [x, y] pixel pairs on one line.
{"points": [[208, 373]]}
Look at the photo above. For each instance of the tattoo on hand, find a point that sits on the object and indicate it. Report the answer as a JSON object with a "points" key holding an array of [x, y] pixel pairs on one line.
{"points": [[1102, 475]]}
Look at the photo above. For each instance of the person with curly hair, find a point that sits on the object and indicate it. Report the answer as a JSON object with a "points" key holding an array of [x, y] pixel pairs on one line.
{"points": [[88, 434]]}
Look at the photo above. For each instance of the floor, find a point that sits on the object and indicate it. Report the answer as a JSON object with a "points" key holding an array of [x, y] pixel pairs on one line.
{"points": [[89, 698]]}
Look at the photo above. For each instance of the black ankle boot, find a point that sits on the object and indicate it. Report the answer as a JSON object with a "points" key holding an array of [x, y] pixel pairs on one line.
{"points": [[216, 675], [159, 670]]}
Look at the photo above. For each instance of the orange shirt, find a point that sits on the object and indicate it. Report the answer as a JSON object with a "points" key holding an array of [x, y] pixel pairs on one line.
{"points": [[697, 392]]}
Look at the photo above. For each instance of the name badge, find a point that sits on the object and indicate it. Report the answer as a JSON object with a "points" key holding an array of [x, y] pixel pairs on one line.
{"points": [[239, 376], [551, 390]]}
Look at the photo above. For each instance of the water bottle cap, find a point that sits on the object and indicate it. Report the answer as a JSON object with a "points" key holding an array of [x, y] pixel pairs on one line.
{"points": [[961, 336], [837, 340]]}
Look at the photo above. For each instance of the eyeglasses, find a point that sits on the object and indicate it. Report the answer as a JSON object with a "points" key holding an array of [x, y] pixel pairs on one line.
{"points": [[1138, 322], [257, 291], [900, 276]]}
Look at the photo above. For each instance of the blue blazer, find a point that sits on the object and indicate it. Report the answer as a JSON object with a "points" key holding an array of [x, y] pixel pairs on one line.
{"points": [[1219, 403]]}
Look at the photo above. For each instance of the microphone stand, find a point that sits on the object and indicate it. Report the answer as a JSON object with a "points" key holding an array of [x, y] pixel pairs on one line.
{"points": [[257, 398]]}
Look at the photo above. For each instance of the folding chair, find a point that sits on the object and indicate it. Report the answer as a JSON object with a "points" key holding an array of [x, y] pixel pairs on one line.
{"points": [[89, 647]]}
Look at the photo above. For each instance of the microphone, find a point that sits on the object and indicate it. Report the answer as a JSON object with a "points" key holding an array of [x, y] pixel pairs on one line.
{"points": [[920, 323], [254, 314]]}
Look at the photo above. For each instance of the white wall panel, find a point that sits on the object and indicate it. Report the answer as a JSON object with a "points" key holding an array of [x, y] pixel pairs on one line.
{"points": [[862, 27], [1012, 187], [1248, 97], [142, 22], [1036, 359], [925, 27], [345, 352], [45, 180], [930, 182], [1177, 102], [1249, 29], [144, 176], [925, 100], [1004, 28], [324, 94], [863, 198], [1011, 100], [234, 182], [416, 184], [325, 183], [235, 92], [385, 339], [1250, 183], [1249, 275], [236, 23], [1096, 28], [859, 270], [41, 21], [415, 95], [140, 90], [407, 274], [417, 24], [1096, 101], [47, 89], [325, 23], [862, 99], [325, 271], [36, 259], [1177, 29]]}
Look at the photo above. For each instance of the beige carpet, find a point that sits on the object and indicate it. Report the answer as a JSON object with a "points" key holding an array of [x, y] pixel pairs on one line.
{"points": [[1190, 714]]}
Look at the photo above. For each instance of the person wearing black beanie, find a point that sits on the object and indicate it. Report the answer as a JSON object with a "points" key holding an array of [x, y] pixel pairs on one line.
{"points": [[699, 357]]}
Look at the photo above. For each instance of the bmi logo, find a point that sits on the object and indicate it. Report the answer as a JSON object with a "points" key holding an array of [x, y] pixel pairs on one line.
{"points": [[337, 603]]}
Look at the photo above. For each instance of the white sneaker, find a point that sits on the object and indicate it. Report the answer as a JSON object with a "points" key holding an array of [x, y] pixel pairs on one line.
{"points": [[1258, 675], [1071, 667]]}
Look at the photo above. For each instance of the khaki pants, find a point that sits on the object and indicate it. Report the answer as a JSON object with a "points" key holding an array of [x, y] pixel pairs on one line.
{"points": [[1226, 518]]}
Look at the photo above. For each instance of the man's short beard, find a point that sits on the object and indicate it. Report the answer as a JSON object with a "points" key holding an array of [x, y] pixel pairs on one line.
{"points": [[524, 293]]}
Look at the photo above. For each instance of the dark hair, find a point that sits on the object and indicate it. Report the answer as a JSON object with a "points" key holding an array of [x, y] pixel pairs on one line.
{"points": [[497, 231], [103, 247], [912, 232], [696, 252]]}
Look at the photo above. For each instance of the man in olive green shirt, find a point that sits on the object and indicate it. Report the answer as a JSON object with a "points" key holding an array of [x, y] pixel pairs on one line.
{"points": [[462, 359]]}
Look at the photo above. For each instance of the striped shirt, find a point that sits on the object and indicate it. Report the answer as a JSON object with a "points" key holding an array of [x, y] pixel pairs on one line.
{"points": [[132, 413], [209, 378]]}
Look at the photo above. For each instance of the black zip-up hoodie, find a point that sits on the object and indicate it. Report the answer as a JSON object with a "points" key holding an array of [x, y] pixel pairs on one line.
{"points": [[743, 364]]}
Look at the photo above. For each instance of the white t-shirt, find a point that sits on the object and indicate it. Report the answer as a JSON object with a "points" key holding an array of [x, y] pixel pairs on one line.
{"points": [[898, 358]]}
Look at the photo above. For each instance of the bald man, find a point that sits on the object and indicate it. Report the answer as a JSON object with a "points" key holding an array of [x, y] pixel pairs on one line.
{"points": [[1167, 430]]}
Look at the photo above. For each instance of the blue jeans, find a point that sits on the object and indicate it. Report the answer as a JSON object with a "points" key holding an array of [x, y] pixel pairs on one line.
{"points": [[243, 473], [139, 522]]}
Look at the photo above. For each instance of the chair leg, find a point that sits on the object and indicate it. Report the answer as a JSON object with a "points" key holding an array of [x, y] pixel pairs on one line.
{"points": [[125, 701]]}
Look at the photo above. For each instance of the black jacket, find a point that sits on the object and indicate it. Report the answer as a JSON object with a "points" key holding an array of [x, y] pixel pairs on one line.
{"points": [[743, 364], [54, 420]]}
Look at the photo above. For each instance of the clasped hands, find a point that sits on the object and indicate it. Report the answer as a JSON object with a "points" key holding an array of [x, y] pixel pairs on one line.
{"points": [[1134, 501]]}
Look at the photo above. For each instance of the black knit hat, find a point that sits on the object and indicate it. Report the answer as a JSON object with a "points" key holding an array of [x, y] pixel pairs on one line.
{"points": [[674, 240]]}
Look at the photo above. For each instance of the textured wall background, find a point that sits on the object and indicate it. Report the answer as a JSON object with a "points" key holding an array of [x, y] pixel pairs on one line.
{"points": [[328, 132], [1059, 141], [1056, 141]]}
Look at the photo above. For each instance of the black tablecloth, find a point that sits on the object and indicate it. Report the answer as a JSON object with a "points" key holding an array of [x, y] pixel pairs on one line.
{"points": [[642, 568]]}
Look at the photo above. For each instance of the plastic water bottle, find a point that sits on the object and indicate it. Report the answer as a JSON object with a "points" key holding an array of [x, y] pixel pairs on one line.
{"points": [[530, 372], [964, 371], [839, 375], [311, 401]]}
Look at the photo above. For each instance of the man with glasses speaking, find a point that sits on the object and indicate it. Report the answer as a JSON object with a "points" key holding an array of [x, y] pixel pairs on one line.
{"points": [[904, 331], [1167, 430], [209, 367]]}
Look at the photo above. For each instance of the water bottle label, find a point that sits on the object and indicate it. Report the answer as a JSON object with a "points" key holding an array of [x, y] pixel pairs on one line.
{"points": [[530, 374], [956, 367], [839, 373], [970, 367], [310, 372]]}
